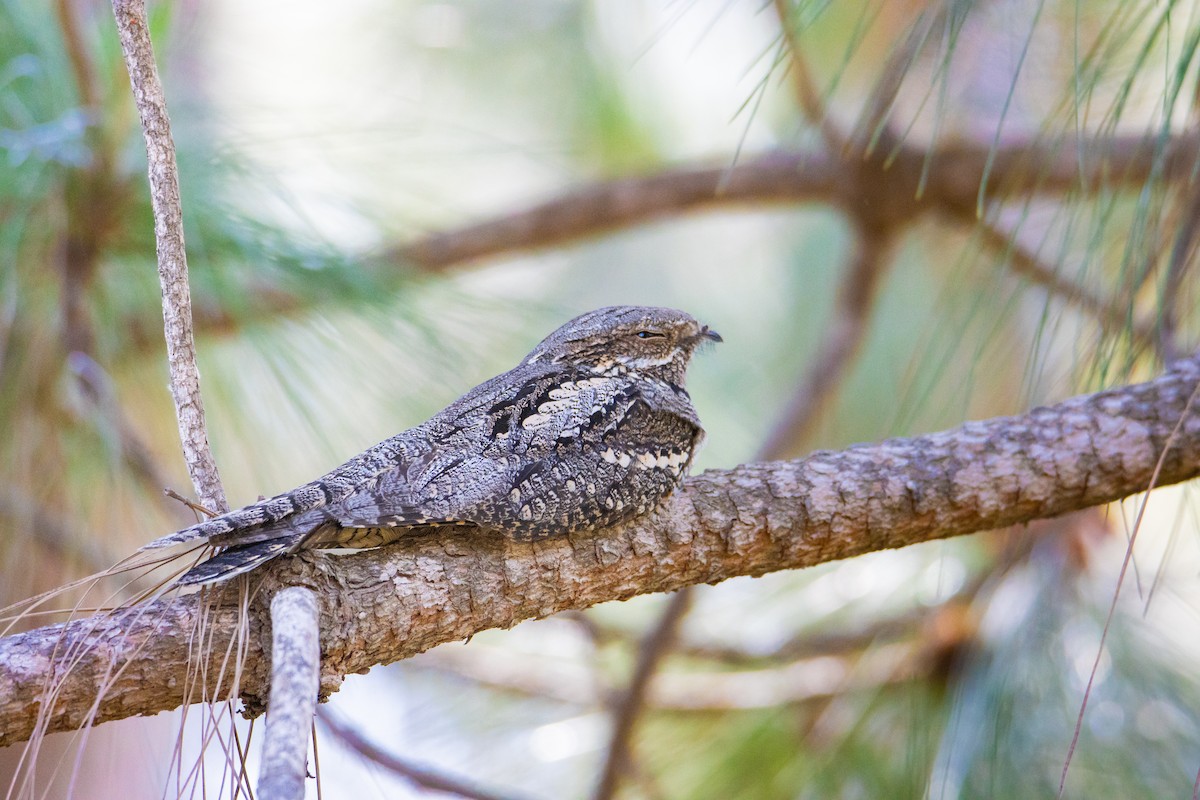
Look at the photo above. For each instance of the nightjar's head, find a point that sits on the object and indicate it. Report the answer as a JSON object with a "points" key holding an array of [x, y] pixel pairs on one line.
{"points": [[657, 342]]}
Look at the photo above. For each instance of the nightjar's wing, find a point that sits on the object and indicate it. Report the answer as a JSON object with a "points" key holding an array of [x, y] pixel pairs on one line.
{"points": [[562, 450]]}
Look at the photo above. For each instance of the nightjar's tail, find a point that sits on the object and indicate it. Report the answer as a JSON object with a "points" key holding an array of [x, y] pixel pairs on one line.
{"points": [[254, 549], [236, 560], [251, 536], [263, 513]]}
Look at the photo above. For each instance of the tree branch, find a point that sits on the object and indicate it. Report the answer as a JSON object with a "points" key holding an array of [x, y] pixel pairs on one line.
{"points": [[652, 649], [844, 335], [625, 202], [951, 182], [295, 670], [172, 257], [801, 680], [385, 605], [1026, 263], [418, 774], [1183, 256], [780, 178]]}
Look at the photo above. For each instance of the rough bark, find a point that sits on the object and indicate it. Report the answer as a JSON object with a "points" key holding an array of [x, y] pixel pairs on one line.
{"points": [[385, 605]]}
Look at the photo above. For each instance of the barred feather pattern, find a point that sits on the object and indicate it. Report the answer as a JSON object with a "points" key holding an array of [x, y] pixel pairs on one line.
{"points": [[592, 428]]}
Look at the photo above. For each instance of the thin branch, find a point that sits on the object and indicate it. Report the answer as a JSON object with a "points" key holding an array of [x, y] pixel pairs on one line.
{"points": [[1183, 256], [172, 257], [790, 683], [418, 774], [842, 341], [1026, 263], [626, 202], [295, 673], [189, 504], [385, 605], [951, 183], [656, 645]]}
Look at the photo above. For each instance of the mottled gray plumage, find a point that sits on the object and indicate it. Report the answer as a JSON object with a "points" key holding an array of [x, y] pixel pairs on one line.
{"points": [[593, 427]]}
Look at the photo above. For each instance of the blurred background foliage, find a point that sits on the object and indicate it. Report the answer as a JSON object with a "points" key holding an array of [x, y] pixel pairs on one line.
{"points": [[313, 142]]}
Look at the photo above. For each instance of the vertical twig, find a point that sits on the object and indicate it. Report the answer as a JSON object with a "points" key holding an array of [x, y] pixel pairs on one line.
{"points": [[1183, 254], [172, 259], [295, 667], [295, 680], [654, 646], [844, 336]]}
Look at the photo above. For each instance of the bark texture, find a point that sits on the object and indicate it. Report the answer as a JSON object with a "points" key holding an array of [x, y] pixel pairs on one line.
{"points": [[172, 255], [295, 667], [381, 606]]}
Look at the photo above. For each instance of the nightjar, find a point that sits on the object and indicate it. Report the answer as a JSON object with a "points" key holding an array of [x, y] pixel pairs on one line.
{"points": [[593, 427]]}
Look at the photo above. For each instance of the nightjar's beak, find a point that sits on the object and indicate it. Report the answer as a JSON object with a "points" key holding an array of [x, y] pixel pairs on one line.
{"points": [[708, 333]]}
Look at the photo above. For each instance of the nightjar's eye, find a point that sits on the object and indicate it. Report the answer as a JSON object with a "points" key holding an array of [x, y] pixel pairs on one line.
{"points": [[648, 335]]}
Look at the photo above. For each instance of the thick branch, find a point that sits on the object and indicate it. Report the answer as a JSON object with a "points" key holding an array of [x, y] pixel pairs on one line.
{"points": [[172, 257], [389, 604]]}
